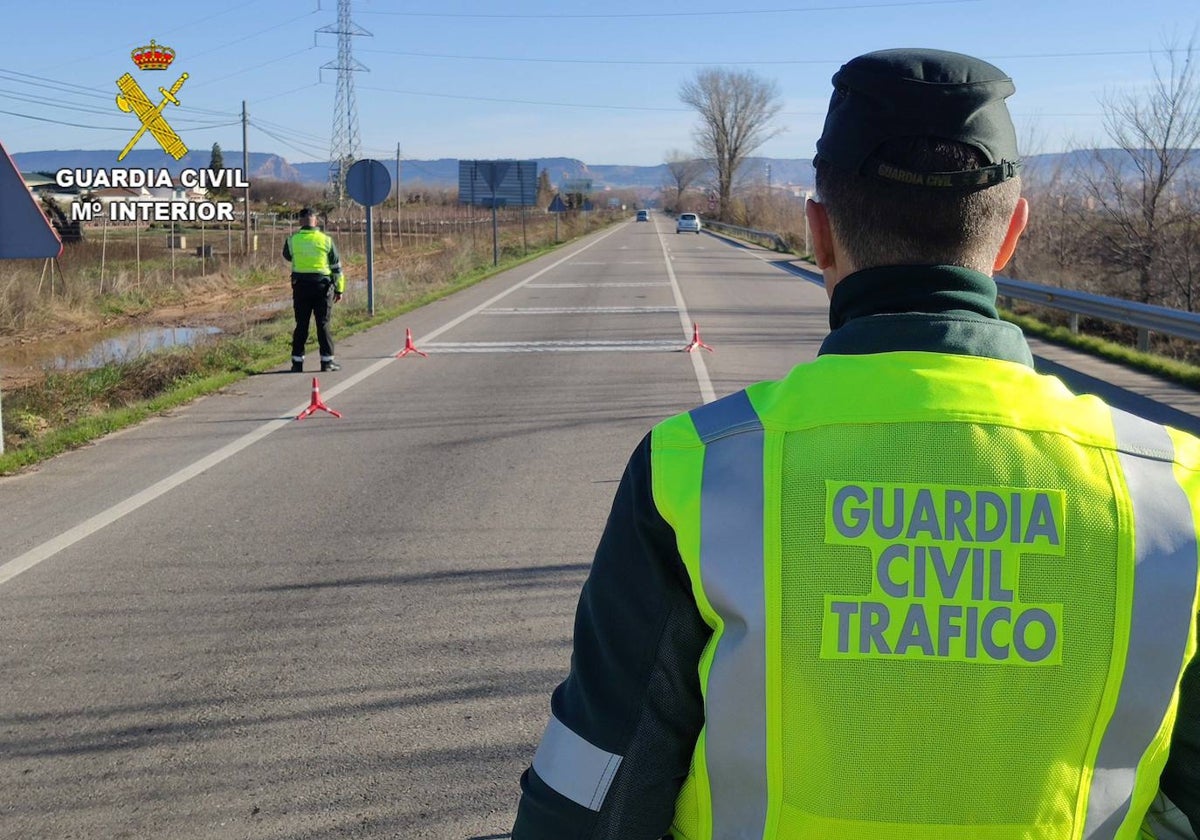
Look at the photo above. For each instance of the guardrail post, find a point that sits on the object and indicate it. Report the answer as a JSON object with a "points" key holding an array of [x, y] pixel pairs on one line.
{"points": [[1143, 339], [1073, 323]]}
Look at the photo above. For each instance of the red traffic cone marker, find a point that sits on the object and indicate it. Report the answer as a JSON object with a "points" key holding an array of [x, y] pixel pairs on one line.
{"points": [[696, 342], [317, 403], [409, 347]]}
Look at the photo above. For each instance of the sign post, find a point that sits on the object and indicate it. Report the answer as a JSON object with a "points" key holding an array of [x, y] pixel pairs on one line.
{"points": [[507, 182], [556, 206], [368, 183]]}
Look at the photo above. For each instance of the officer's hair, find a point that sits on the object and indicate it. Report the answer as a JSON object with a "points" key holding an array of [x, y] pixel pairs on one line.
{"points": [[881, 223]]}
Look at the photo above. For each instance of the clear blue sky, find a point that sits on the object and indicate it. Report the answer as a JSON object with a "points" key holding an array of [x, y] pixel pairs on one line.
{"points": [[539, 78]]}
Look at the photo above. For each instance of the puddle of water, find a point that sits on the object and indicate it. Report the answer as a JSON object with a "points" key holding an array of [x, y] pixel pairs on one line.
{"points": [[81, 352]]}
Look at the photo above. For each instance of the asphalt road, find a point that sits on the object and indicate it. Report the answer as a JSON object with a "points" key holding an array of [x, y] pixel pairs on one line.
{"points": [[226, 623]]}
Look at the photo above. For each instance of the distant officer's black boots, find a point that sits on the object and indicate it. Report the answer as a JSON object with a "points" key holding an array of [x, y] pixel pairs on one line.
{"points": [[329, 365]]}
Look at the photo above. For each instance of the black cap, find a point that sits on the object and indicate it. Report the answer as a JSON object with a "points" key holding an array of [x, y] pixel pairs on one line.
{"points": [[307, 211], [893, 94]]}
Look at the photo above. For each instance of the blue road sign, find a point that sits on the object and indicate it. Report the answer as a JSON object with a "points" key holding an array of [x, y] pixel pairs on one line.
{"points": [[481, 182], [368, 182]]}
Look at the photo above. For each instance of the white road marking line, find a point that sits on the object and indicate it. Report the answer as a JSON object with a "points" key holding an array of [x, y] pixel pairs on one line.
{"points": [[614, 346], [707, 394], [68, 538], [593, 285], [792, 268], [579, 310]]}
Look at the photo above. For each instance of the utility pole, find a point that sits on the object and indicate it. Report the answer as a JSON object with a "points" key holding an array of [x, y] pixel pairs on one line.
{"points": [[246, 176], [398, 195]]}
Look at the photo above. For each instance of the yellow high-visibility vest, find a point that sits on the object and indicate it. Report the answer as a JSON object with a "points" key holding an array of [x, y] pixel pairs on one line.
{"points": [[310, 251], [949, 599]]}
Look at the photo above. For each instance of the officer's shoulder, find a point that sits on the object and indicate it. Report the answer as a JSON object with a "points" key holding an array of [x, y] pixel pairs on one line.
{"points": [[727, 415]]}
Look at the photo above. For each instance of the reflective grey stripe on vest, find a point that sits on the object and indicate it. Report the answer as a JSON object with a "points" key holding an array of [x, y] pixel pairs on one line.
{"points": [[1164, 591], [573, 766], [731, 572]]}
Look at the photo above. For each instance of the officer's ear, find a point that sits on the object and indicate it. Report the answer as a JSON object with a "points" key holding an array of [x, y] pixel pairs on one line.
{"points": [[1016, 226], [822, 236]]}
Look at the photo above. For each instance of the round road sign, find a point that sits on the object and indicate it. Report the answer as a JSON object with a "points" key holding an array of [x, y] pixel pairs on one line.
{"points": [[368, 182]]}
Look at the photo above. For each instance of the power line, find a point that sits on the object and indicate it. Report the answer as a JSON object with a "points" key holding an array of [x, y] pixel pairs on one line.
{"points": [[62, 122], [81, 90], [286, 92], [42, 81], [738, 62], [676, 14], [251, 35], [70, 106], [288, 143], [77, 108], [236, 7], [294, 132], [314, 139], [528, 101], [253, 67]]}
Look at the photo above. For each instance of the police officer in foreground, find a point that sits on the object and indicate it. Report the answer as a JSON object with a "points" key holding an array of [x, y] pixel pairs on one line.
{"points": [[912, 590], [317, 284]]}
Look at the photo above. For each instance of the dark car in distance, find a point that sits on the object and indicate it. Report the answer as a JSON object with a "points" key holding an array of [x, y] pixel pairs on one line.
{"points": [[643, 215]]}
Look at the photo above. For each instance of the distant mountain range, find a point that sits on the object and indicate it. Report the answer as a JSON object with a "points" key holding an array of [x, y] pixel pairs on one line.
{"points": [[431, 173], [443, 172]]}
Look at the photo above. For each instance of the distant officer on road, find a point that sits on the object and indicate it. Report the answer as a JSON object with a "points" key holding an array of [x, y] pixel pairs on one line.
{"points": [[317, 284], [912, 590]]}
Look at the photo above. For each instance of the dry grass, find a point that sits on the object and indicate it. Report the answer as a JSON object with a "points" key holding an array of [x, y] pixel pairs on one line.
{"points": [[67, 408]]}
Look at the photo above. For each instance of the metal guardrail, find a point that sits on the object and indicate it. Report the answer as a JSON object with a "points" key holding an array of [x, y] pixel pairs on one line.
{"points": [[1144, 317], [775, 240]]}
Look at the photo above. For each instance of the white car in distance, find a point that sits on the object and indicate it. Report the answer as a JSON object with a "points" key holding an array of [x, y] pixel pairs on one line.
{"points": [[688, 222]]}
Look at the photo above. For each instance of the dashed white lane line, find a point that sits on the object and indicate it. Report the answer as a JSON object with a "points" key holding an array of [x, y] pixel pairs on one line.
{"points": [[580, 310], [634, 285]]}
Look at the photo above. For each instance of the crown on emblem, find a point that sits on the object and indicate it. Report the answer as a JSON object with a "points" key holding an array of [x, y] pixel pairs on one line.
{"points": [[152, 57]]}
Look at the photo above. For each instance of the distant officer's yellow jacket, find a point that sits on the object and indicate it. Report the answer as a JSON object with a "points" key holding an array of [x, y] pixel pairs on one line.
{"points": [[312, 252]]}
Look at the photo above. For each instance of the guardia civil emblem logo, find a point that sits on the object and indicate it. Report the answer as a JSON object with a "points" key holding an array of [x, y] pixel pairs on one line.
{"points": [[133, 99]]}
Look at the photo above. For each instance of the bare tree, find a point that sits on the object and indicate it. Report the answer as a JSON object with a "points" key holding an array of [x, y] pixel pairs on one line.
{"points": [[736, 108], [684, 170], [1138, 192]]}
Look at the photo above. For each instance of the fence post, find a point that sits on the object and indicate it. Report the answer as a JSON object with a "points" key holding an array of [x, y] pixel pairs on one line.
{"points": [[103, 248], [1143, 339], [1073, 322]]}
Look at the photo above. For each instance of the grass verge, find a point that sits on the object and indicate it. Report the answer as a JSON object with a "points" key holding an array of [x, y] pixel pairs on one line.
{"points": [[1170, 369], [72, 408]]}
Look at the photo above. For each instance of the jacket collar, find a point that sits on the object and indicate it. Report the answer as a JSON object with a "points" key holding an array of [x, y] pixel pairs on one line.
{"points": [[939, 308]]}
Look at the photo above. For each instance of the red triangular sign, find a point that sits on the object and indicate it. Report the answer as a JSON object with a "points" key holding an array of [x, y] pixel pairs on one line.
{"points": [[25, 232]]}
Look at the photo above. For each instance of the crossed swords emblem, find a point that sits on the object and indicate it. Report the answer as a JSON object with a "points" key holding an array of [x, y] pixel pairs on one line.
{"points": [[133, 98]]}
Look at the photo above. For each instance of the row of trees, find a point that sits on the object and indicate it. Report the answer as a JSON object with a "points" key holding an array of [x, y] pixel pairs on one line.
{"points": [[1123, 221]]}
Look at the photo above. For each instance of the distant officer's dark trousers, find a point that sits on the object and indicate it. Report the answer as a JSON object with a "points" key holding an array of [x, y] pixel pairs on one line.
{"points": [[312, 297]]}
